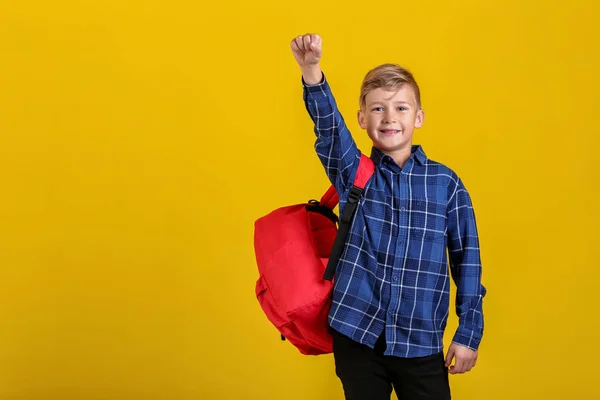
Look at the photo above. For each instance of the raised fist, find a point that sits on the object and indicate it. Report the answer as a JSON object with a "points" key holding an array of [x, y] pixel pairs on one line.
{"points": [[307, 49]]}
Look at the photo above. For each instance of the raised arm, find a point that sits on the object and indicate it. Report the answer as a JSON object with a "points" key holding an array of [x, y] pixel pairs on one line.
{"points": [[334, 145]]}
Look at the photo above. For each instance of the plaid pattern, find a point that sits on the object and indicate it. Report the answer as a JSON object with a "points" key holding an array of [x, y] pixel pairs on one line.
{"points": [[393, 273]]}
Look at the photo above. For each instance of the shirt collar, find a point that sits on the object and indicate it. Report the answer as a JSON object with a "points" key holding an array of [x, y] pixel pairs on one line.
{"points": [[416, 151]]}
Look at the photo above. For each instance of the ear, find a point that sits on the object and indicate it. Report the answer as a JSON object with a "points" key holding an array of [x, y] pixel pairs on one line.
{"points": [[419, 118], [361, 119]]}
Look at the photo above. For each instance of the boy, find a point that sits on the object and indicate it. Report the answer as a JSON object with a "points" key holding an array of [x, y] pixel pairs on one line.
{"points": [[391, 291]]}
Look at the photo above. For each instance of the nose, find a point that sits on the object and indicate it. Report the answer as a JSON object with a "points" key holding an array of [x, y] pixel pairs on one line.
{"points": [[389, 117]]}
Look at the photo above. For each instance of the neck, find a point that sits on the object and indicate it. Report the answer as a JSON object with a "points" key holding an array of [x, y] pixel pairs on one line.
{"points": [[400, 156]]}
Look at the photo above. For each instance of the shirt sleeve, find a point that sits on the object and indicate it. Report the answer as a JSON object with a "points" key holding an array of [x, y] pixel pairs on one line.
{"points": [[465, 267], [334, 145]]}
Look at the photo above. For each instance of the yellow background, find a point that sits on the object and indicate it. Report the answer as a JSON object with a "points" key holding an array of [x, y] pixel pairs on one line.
{"points": [[139, 140]]}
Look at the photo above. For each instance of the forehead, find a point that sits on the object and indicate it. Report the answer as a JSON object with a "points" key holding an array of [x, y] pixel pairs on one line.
{"points": [[404, 94]]}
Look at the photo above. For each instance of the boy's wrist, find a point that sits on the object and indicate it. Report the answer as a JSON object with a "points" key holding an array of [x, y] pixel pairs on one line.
{"points": [[312, 74]]}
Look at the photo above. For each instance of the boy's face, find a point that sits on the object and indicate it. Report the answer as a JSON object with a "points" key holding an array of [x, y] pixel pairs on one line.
{"points": [[390, 118]]}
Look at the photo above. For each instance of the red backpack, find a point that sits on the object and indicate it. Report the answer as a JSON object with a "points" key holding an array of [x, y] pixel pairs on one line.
{"points": [[297, 248]]}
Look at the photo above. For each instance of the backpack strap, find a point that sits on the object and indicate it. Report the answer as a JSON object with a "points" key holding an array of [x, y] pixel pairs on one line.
{"points": [[330, 198], [366, 168]]}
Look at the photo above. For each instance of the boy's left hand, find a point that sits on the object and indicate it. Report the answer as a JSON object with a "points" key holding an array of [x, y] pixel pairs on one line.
{"points": [[465, 359]]}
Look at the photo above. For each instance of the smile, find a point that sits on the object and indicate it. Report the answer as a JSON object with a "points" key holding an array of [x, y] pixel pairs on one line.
{"points": [[389, 132]]}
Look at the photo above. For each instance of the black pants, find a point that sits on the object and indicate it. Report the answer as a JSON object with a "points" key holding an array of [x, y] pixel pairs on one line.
{"points": [[367, 374]]}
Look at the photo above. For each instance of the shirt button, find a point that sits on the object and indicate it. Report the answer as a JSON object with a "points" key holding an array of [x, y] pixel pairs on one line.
{"points": [[403, 209], [395, 278]]}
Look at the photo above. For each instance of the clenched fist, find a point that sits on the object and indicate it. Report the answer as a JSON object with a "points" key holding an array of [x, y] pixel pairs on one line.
{"points": [[307, 51]]}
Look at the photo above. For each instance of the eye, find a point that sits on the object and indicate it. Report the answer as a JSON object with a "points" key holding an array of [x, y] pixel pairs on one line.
{"points": [[403, 108], [378, 109]]}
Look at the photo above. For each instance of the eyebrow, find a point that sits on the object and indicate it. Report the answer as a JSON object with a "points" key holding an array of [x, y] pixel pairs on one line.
{"points": [[395, 102]]}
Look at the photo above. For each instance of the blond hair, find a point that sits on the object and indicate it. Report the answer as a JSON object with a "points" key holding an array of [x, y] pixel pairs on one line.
{"points": [[389, 77]]}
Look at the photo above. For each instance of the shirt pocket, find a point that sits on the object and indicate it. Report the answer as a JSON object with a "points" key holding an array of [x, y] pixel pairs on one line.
{"points": [[427, 220]]}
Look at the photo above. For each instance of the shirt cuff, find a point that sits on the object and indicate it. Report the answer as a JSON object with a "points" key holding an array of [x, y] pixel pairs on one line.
{"points": [[466, 338], [316, 87]]}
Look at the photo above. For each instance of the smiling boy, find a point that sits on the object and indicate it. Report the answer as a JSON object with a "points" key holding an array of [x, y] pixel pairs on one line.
{"points": [[392, 284]]}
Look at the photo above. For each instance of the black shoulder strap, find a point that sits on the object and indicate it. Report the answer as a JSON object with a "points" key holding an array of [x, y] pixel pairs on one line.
{"points": [[366, 168]]}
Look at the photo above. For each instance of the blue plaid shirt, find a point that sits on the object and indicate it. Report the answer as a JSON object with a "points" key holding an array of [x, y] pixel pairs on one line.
{"points": [[393, 274]]}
